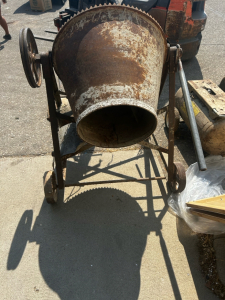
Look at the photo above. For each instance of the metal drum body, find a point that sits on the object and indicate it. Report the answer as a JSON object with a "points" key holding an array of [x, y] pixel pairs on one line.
{"points": [[208, 102], [110, 61]]}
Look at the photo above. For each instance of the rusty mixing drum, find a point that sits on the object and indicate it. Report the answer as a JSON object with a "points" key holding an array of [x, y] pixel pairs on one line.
{"points": [[110, 61]]}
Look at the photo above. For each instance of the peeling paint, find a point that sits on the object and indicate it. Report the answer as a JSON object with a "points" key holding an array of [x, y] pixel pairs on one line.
{"points": [[110, 53]]}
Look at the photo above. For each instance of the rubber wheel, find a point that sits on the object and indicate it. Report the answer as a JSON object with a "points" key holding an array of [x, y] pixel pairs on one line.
{"points": [[28, 50], [176, 119], [50, 188], [222, 84], [179, 178]]}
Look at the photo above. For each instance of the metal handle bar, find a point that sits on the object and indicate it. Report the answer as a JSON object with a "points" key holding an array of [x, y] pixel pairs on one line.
{"points": [[192, 121]]}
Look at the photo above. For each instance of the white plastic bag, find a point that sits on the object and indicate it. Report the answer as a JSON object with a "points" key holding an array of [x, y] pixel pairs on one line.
{"points": [[201, 185]]}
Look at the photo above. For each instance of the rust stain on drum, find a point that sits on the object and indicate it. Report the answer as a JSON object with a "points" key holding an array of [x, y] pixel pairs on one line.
{"points": [[110, 52]]}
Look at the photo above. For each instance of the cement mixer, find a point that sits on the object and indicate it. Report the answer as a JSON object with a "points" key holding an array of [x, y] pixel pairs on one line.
{"points": [[113, 61]]}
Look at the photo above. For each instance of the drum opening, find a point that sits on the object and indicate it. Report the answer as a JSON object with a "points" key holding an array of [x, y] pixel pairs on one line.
{"points": [[117, 126]]}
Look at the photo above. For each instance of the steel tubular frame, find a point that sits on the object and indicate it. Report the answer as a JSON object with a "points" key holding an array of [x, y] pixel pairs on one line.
{"points": [[48, 75], [172, 74], [54, 116]]}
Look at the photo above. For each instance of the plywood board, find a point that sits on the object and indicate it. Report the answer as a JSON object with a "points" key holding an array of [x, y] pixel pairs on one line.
{"points": [[208, 215], [213, 204], [210, 94]]}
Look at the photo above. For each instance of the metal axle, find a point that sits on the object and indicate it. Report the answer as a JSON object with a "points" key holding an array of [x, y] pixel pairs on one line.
{"points": [[115, 181]]}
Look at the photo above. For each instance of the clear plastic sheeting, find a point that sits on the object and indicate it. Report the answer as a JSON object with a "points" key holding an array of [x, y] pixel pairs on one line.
{"points": [[201, 185]]}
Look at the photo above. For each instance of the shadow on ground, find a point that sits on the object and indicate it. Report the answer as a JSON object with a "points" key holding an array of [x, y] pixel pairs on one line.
{"points": [[90, 248], [91, 245], [2, 44]]}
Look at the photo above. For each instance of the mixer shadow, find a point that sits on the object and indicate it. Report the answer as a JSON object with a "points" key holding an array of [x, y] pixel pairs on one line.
{"points": [[92, 246]]}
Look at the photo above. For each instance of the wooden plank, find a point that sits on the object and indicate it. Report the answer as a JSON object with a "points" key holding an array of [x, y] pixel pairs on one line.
{"points": [[210, 94], [208, 215], [213, 204]]}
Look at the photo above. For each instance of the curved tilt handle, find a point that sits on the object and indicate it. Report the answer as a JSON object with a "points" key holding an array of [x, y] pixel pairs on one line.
{"points": [[191, 117]]}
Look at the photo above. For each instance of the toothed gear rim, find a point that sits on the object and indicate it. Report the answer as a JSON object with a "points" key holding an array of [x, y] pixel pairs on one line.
{"points": [[105, 6], [80, 15]]}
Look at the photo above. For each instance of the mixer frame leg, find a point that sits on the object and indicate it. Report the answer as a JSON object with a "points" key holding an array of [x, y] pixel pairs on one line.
{"points": [[172, 76], [48, 76]]}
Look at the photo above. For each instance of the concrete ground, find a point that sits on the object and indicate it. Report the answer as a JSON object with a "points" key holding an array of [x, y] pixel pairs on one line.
{"points": [[112, 242]]}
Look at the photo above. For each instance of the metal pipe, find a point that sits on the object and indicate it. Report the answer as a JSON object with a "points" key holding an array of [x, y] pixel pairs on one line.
{"points": [[37, 37], [51, 31], [114, 181], [191, 117]]}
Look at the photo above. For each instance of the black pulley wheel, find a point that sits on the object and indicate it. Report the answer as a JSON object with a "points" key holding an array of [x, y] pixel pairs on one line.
{"points": [[28, 51]]}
